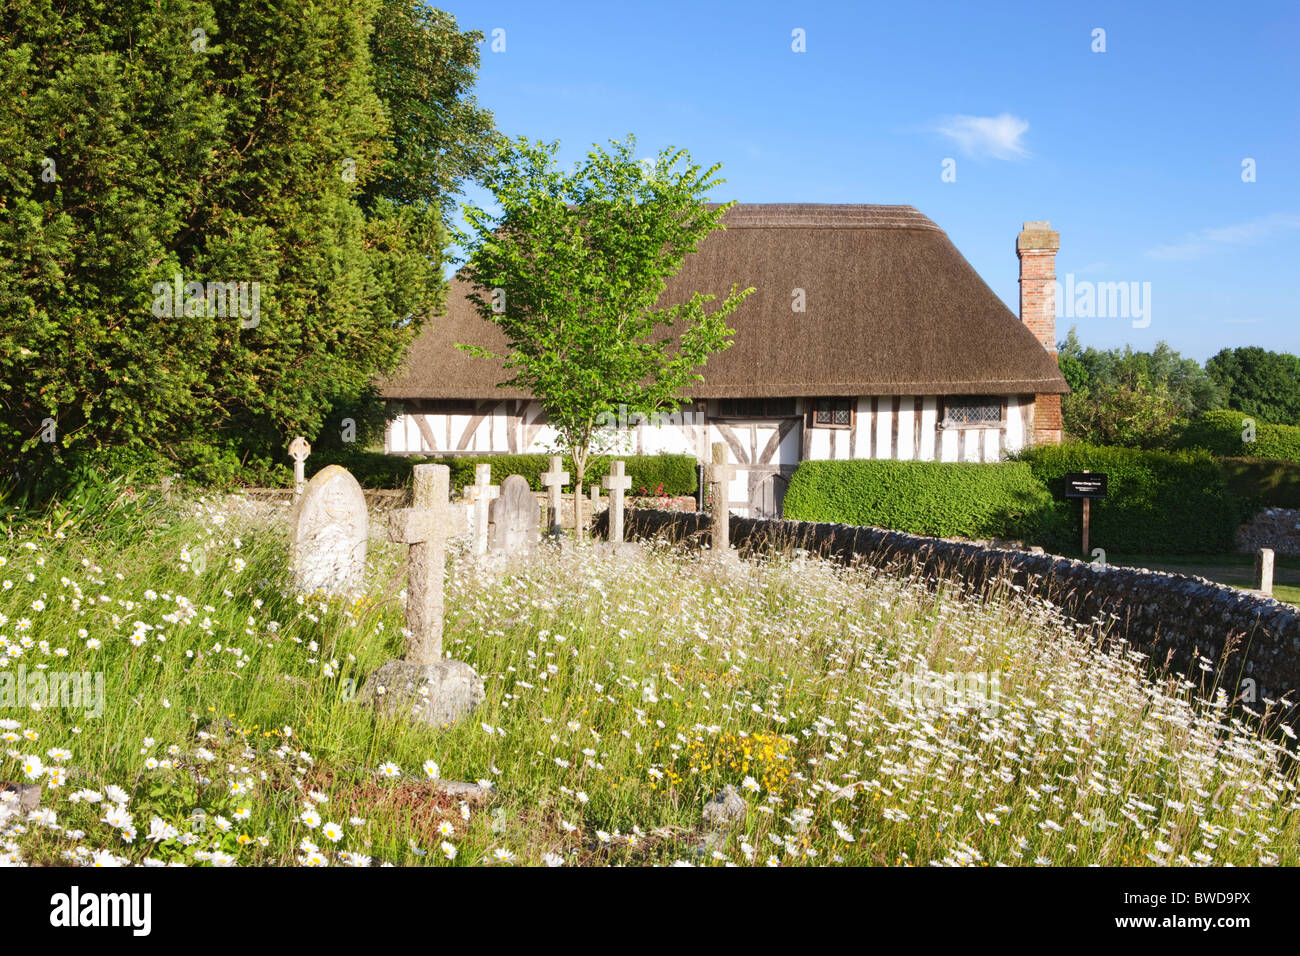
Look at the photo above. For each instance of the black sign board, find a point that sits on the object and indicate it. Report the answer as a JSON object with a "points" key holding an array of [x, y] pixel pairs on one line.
{"points": [[1086, 484]]}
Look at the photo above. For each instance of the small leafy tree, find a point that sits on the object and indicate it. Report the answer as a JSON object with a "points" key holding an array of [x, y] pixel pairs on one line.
{"points": [[1135, 413], [571, 270]]}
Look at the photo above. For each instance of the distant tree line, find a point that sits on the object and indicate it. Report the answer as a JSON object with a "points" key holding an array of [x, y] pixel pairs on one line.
{"points": [[1146, 399]]}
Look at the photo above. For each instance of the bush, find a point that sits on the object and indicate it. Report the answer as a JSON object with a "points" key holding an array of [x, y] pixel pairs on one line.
{"points": [[1275, 441], [676, 473], [934, 498], [1218, 432], [1158, 502], [1134, 414], [1224, 432]]}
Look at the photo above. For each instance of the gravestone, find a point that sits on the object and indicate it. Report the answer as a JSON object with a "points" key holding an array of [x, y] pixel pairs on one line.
{"points": [[299, 449], [482, 493], [327, 534], [515, 518], [616, 483], [720, 475], [424, 685], [1264, 560], [554, 480], [595, 500]]}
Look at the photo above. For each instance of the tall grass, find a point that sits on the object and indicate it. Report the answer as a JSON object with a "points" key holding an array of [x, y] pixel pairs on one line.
{"points": [[622, 693]]}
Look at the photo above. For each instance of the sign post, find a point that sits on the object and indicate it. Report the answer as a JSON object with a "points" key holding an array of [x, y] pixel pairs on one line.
{"points": [[1087, 486]]}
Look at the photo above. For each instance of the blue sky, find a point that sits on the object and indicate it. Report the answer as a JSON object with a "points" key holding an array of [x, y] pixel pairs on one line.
{"points": [[1135, 154]]}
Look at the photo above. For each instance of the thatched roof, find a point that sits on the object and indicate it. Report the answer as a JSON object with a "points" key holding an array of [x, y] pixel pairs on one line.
{"points": [[892, 309]]}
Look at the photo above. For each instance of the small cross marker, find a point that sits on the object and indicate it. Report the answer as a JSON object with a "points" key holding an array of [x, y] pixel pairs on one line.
{"points": [[720, 475], [616, 483], [481, 493], [299, 449], [553, 481]]}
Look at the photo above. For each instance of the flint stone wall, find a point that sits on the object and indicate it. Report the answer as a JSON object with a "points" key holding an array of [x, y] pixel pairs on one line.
{"points": [[1167, 616]]}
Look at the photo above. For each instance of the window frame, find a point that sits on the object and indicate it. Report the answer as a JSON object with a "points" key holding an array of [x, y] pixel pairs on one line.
{"points": [[946, 401], [849, 401]]}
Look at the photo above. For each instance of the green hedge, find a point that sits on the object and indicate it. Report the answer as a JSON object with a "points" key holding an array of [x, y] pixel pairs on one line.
{"points": [[948, 500], [675, 474], [1220, 432], [1158, 502], [1263, 483], [1164, 502]]}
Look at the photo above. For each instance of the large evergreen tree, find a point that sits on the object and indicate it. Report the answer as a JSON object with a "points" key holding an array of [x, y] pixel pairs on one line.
{"points": [[218, 142]]}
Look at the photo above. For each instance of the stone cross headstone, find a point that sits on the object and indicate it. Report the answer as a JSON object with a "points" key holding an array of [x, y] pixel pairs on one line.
{"points": [[720, 475], [424, 685], [553, 481], [482, 493], [514, 517], [1264, 571], [424, 528], [299, 449], [327, 534], [616, 483]]}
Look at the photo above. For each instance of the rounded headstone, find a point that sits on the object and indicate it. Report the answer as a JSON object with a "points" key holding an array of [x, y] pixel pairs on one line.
{"points": [[327, 534], [514, 517]]}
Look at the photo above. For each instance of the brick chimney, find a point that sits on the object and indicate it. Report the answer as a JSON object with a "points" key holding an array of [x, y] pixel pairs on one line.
{"points": [[1037, 246]]}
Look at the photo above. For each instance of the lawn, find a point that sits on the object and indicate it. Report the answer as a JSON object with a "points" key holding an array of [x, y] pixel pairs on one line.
{"points": [[860, 718], [1237, 570]]}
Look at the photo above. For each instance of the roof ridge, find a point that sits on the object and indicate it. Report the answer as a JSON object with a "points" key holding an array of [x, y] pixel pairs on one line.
{"points": [[827, 216]]}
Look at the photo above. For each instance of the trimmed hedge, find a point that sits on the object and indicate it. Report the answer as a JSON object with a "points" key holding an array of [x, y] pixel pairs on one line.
{"points": [[1263, 483], [676, 473], [932, 498], [1158, 502], [1163, 502], [1220, 432]]}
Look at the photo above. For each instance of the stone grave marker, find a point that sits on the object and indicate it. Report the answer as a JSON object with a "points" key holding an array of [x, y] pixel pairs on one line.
{"points": [[515, 518], [299, 449], [720, 475], [424, 685], [1264, 561], [482, 493], [616, 483], [554, 480], [327, 534]]}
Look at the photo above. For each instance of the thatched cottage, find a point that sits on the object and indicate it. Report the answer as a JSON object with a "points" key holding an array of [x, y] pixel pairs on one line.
{"points": [[869, 336]]}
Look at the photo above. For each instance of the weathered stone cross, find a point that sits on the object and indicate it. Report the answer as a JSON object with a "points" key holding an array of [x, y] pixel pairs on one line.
{"points": [[481, 494], [720, 475], [424, 527], [299, 449], [616, 483], [553, 481]]}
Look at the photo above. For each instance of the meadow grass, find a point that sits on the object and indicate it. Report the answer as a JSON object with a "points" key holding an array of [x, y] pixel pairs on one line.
{"points": [[864, 719]]}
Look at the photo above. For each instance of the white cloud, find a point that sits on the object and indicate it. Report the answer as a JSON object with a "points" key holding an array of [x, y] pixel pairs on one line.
{"points": [[1202, 243], [996, 136]]}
